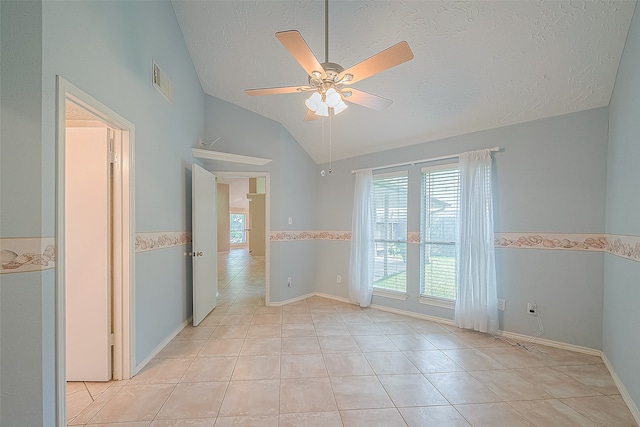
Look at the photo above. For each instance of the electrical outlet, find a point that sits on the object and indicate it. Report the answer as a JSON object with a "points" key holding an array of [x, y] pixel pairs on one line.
{"points": [[290, 220], [501, 304], [339, 279], [289, 281], [532, 309]]}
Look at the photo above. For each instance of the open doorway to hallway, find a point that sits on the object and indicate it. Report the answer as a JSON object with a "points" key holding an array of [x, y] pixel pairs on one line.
{"points": [[241, 277], [243, 257]]}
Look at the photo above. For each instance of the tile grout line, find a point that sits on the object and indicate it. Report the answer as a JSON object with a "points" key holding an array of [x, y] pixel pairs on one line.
{"points": [[314, 305]]}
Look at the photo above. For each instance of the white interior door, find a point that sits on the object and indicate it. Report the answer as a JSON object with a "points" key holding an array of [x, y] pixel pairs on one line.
{"points": [[205, 243], [87, 260]]}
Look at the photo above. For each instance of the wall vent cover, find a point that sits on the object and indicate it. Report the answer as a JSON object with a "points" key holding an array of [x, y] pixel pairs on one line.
{"points": [[162, 83]]}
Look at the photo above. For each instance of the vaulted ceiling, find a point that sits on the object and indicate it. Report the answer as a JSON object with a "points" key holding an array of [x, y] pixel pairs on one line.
{"points": [[477, 65]]}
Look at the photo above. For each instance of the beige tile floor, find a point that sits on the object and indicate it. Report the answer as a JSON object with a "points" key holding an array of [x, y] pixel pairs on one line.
{"points": [[320, 362]]}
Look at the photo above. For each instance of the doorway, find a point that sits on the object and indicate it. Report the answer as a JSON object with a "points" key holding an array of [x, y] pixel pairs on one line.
{"points": [[238, 268], [93, 142]]}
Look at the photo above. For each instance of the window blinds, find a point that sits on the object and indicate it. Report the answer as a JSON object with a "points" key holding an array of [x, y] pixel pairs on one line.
{"points": [[439, 230]]}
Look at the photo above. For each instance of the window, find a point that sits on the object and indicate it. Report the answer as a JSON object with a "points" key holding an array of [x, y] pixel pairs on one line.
{"points": [[439, 231], [238, 225], [389, 201]]}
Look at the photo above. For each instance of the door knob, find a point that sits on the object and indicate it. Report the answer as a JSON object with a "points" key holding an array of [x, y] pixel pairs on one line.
{"points": [[195, 254], [199, 253]]}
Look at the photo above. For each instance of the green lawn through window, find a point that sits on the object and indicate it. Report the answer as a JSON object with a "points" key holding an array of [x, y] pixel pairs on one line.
{"points": [[439, 280]]}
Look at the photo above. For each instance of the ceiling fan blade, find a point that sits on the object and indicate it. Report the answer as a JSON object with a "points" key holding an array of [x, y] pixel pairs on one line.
{"points": [[388, 58], [311, 116], [276, 90], [366, 99], [299, 49]]}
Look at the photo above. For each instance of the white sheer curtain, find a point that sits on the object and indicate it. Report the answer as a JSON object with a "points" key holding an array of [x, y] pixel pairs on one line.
{"points": [[361, 259], [476, 303]]}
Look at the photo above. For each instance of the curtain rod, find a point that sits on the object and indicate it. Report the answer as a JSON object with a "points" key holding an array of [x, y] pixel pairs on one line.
{"points": [[413, 163]]}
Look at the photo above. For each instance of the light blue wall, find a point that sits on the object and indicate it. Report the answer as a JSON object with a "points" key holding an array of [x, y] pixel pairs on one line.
{"points": [[26, 371], [293, 176], [21, 73], [106, 49], [299, 189], [621, 318], [551, 177], [249, 134], [176, 300]]}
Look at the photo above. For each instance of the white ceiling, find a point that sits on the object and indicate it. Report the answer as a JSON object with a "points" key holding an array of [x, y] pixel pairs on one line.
{"points": [[477, 65]]}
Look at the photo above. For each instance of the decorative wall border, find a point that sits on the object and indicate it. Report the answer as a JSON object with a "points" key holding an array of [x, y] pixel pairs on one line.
{"points": [[286, 236], [615, 244], [620, 245], [558, 241], [25, 254], [624, 246], [160, 240], [18, 255], [413, 237]]}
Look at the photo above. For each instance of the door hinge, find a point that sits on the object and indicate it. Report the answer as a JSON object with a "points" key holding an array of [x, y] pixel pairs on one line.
{"points": [[113, 157], [112, 339]]}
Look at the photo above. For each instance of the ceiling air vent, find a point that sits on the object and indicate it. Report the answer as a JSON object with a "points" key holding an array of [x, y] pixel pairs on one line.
{"points": [[162, 83]]}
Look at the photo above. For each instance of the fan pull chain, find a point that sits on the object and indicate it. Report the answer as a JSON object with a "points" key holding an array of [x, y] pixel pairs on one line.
{"points": [[323, 126], [330, 138]]}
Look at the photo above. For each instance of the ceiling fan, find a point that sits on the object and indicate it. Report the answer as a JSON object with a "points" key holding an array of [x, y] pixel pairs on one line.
{"points": [[330, 82]]}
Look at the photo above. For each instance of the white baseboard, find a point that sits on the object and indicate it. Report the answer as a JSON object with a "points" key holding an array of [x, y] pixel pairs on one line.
{"points": [[622, 389], [160, 346], [550, 343], [512, 335], [333, 297], [413, 314], [289, 301], [393, 310]]}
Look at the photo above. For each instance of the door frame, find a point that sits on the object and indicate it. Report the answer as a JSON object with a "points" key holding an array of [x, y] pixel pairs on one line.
{"points": [[123, 239], [267, 219]]}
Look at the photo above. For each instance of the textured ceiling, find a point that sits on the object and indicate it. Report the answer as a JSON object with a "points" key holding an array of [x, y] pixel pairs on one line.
{"points": [[77, 113], [477, 65]]}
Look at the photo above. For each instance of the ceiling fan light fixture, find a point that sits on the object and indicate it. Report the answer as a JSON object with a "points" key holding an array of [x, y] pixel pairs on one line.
{"points": [[340, 107], [332, 98], [314, 102], [323, 109]]}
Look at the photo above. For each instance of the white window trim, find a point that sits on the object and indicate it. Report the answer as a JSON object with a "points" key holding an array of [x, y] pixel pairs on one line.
{"points": [[403, 172], [443, 166], [385, 293], [437, 302]]}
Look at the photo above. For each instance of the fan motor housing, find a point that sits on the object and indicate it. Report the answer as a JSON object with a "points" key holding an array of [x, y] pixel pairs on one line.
{"points": [[331, 69]]}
